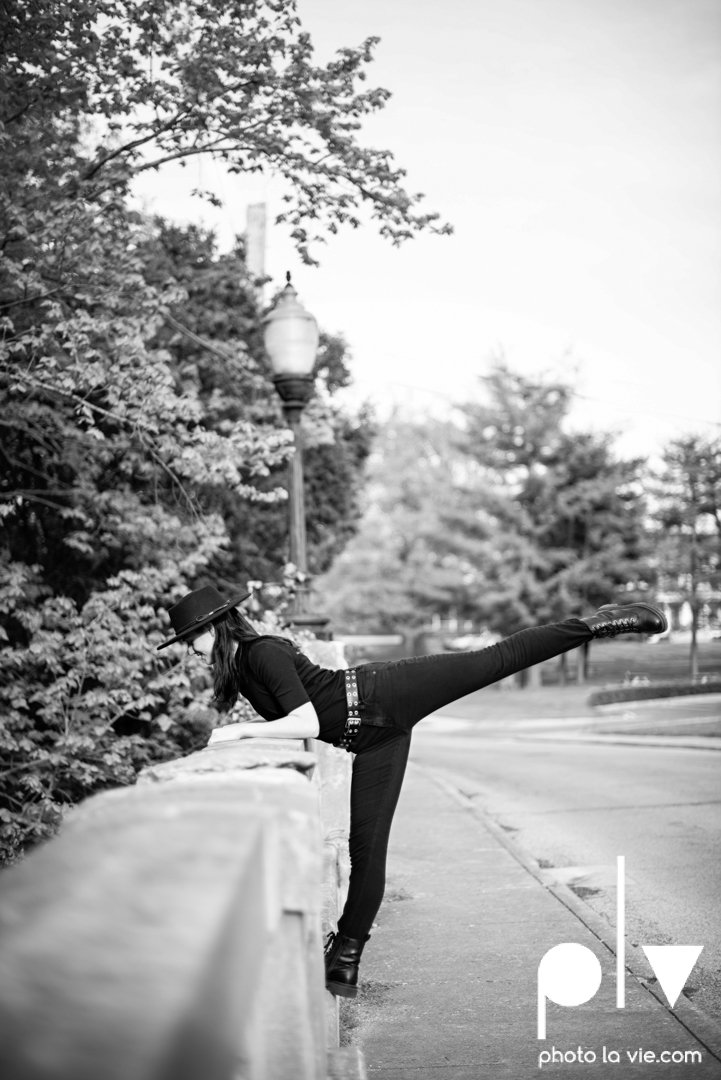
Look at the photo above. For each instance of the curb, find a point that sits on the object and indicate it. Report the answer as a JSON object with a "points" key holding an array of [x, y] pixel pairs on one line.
{"points": [[702, 1027], [678, 741]]}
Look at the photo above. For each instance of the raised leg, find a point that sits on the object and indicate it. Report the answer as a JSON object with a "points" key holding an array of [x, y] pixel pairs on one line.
{"points": [[411, 689]]}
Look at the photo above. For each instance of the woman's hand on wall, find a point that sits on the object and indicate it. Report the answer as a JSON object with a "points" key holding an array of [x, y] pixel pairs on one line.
{"points": [[301, 723], [229, 733]]}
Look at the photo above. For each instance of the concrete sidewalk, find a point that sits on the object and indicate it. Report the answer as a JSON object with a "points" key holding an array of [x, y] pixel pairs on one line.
{"points": [[449, 976]]}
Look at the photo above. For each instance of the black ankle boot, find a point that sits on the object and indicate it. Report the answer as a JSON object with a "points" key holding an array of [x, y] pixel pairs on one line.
{"points": [[342, 957], [612, 619]]}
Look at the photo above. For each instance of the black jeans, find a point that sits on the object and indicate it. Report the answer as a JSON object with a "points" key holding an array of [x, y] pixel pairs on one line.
{"points": [[398, 695]]}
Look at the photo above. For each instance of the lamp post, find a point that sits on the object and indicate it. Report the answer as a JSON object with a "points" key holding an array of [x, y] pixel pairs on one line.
{"points": [[291, 342]]}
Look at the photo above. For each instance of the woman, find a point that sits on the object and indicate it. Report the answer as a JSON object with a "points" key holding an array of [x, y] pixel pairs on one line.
{"points": [[370, 711]]}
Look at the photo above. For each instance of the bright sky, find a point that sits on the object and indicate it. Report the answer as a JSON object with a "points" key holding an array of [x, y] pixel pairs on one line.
{"points": [[575, 145]]}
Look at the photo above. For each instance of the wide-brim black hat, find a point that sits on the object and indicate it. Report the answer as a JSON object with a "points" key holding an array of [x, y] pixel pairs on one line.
{"points": [[197, 608]]}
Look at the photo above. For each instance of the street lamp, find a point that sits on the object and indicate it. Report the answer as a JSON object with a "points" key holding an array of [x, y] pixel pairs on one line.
{"points": [[291, 342]]}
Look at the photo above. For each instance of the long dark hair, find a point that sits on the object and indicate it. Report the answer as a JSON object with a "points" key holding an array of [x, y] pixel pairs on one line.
{"points": [[233, 633]]}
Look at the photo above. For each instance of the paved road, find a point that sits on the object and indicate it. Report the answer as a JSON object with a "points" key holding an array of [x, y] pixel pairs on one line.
{"points": [[576, 805]]}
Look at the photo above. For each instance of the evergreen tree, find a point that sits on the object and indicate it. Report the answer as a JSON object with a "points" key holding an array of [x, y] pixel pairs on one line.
{"points": [[565, 515], [688, 491], [507, 519]]}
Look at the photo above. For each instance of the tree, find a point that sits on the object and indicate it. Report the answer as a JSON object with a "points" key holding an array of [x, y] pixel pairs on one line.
{"points": [[575, 512], [506, 519], [118, 452], [222, 306], [393, 572], [84, 112], [688, 490], [104, 460], [168, 81], [86, 701]]}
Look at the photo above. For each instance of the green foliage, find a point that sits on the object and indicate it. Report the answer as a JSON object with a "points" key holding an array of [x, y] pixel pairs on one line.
{"points": [[402, 567], [222, 306], [135, 462], [506, 519], [334, 469], [679, 688], [103, 446], [563, 522], [85, 698], [688, 489], [167, 81], [688, 533]]}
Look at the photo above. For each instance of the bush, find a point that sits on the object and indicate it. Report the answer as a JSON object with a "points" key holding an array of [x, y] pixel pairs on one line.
{"points": [[87, 700], [709, 684]]}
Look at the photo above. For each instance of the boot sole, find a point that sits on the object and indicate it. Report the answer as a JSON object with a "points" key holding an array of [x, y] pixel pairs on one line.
{"points": [[341, 989]]}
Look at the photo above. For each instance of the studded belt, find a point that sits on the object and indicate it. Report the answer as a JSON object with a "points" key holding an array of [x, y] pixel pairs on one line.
{"points": [[353, 721]]}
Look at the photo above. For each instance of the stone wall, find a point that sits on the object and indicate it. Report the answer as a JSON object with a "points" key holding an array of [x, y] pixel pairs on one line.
{"points": [[172, 931]]}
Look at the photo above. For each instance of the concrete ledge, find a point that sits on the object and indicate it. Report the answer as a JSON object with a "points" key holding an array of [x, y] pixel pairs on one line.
{"points": [[173, 929], [247, 754], [333, 777]]}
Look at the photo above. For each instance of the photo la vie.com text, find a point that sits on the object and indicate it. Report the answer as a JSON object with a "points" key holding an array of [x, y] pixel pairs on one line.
{"points": [[606, 1055], [570, 974]]}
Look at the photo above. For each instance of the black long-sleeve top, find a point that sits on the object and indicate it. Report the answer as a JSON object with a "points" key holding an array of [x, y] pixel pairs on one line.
{"points": [[276, 678]]}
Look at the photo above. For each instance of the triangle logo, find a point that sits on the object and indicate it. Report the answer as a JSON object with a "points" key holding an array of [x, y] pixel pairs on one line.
{"points": [[672, 965]]}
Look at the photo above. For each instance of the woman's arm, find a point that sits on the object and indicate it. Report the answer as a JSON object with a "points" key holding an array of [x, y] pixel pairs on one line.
{"points": [[300, 723]]}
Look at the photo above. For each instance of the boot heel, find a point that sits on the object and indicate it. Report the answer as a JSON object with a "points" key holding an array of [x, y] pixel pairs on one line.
{"points": [[342, 957], [342, 989]]}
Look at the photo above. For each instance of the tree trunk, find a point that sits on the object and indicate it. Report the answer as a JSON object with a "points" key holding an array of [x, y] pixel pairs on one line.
{"points": [[533, 677], [693, 656]]}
